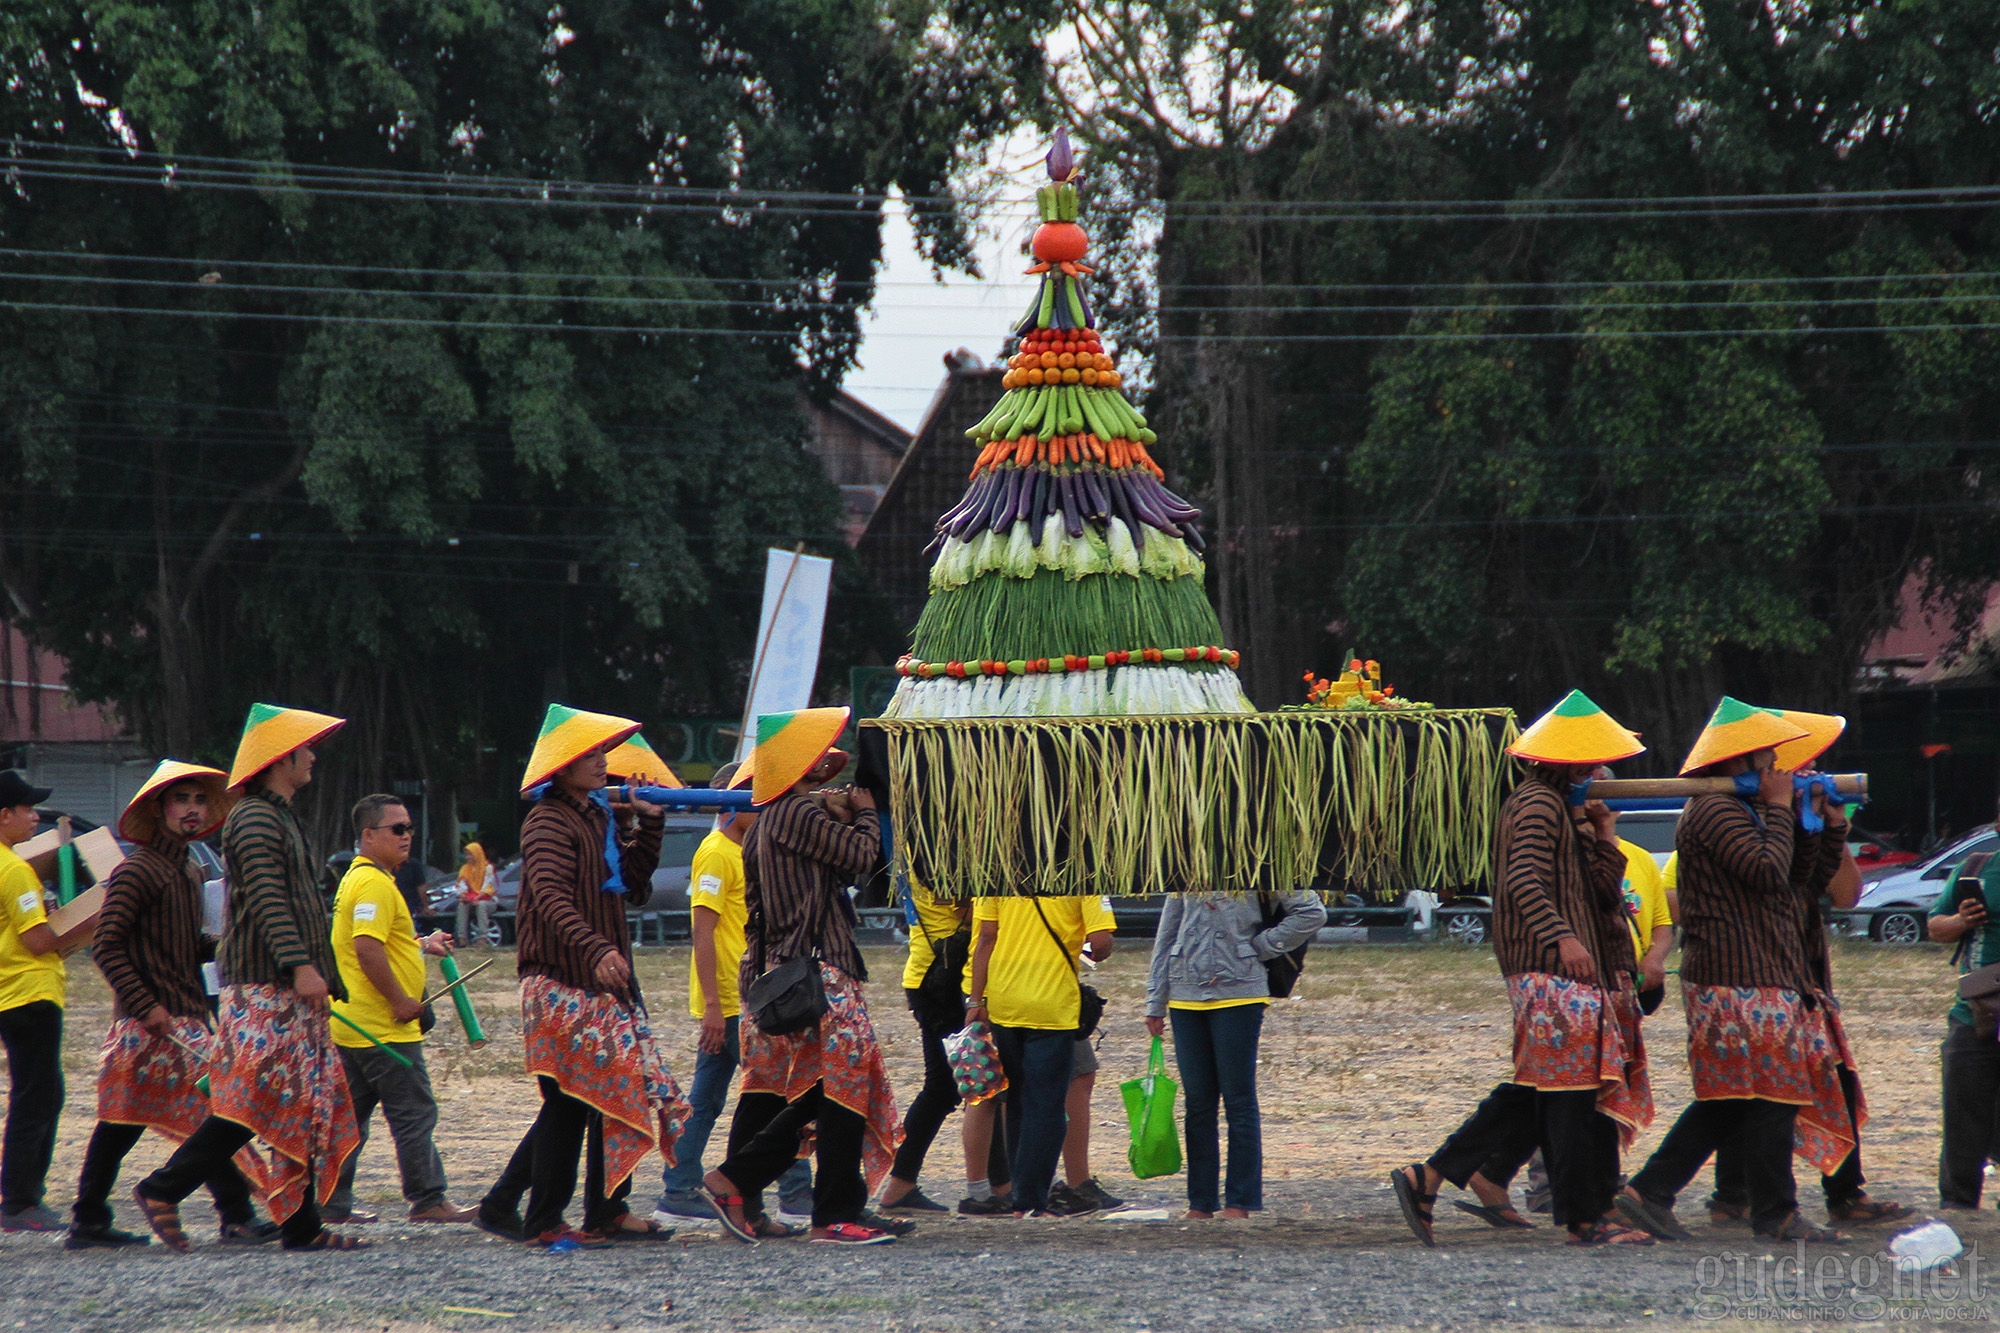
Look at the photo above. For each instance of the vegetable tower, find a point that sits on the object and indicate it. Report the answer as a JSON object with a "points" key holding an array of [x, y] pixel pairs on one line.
{"points": [[1068, 580]]}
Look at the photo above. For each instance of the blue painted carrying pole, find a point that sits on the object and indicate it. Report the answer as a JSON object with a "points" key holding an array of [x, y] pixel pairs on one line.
{"points": [[677, 798]]}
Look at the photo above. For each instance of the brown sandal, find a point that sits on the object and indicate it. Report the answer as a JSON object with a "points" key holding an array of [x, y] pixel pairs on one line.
{"points": [[1863, 1210], [1795, 1227], [1604, 1231], [329, 1240], [165, 1220]]}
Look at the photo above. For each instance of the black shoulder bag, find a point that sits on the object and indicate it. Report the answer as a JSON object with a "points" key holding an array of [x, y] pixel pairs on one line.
{"points": [[1283, 972], [1089, 1004], [790, 997], [939, 1000]]}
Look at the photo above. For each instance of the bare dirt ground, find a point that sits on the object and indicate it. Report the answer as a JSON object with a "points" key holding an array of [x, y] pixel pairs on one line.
{"points": [[1383, 1050]]}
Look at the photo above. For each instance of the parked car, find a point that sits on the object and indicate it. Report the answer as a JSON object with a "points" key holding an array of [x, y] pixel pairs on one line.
{"points": [[1876, 854], [1650, 829], [1900, 902]]}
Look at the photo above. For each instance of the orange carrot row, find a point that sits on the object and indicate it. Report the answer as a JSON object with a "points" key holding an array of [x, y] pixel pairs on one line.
{"points": [[1060, 450]]}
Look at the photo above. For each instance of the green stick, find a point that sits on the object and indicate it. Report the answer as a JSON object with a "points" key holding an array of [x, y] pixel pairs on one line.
{"points": [[397, 1056]]}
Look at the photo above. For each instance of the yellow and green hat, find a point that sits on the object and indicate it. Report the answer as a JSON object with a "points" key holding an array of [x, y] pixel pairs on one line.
{"points": [[273, 731], [141, 819], [567, 735], [1822, 730], [636, 761], [788, 745], [1576, 731], [1737, 728]]}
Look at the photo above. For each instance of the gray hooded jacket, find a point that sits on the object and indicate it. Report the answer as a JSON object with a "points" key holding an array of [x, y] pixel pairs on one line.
{"points": [[1212, 946]]}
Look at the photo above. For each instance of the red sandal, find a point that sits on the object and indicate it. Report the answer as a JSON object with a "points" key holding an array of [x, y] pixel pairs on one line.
{"points": [[729, 1211]]}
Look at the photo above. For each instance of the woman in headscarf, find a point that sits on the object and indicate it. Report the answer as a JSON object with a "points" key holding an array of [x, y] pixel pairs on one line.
{"points": [[476, 892]]}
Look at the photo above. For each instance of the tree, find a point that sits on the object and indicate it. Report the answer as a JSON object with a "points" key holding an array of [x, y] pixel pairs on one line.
{"points": [[422, 361], [1648, 447]]}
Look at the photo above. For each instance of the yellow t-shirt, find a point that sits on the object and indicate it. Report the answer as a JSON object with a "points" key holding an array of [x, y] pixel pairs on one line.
{"points": [[1645, 896], [368, 903], [1670, 873], [24, 977], [715, 881], [935, 921], [1028, 983]]}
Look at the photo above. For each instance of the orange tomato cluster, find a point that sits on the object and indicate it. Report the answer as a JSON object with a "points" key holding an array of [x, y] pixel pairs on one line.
{"points": [[1061, 356]]}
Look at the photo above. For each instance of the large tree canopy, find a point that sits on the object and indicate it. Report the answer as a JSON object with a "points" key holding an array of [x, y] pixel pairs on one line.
{"points": [[1684, 406], [420, 360]]}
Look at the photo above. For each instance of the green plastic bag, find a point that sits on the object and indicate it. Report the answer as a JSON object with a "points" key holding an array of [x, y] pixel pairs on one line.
{"points": [[1149, 1109]]}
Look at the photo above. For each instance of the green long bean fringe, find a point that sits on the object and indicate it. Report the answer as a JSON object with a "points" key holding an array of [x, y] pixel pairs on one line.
{"points": [[1081, 806]]}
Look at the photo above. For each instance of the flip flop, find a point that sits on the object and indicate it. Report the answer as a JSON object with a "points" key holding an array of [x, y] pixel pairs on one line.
{"points": [[1416, 1205], [1654, 1219], [770, 1228], [1494, 1217], [330, 1240], [651, 1231], [1606, 1232]]}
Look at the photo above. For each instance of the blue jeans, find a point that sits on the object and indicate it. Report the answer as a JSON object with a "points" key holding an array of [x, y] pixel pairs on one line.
{"points": [[1037, 1063], [713, 1071], [1216, 1050]]}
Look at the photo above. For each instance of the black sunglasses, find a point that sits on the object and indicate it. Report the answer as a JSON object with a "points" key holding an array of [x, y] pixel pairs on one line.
{"points": [[400, 830]]}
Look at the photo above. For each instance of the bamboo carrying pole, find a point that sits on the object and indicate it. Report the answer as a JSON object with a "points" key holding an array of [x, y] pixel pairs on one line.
{"points": [[1851, 786], [474, 1034]]}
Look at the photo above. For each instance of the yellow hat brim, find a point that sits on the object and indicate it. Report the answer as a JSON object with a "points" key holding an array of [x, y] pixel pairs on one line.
{"points": [[1746, 735], [570, 740], [1822, 730], [641, 764], [786, 756], [745, 773], [277, 736], [1595, 739], [140, 821]]}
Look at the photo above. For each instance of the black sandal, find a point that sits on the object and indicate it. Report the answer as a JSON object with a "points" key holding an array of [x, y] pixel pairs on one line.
{"points": [[1503, 1217], [1795, 1227], [1418, 1207], [330, 1240]]}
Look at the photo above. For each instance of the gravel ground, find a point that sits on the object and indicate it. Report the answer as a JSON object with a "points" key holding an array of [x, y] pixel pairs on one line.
{"points": [[1365, 1069]]}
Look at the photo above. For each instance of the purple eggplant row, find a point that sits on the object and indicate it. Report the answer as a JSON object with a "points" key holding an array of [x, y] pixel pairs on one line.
{"points": [[1002, 497]]}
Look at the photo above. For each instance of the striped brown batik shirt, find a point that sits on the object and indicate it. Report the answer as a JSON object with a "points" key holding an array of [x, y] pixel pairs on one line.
{"points": [[797, 864], [278, 921], [1556, 881], [148, 938], [1739, 906], [1815, 860], [567, 923]]}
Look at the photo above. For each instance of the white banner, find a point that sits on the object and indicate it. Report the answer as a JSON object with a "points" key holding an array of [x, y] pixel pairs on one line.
{"points": [[788, 638]]}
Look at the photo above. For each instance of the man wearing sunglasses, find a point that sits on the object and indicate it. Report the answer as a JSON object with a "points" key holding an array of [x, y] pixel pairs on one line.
{"points": [[381, 962]]}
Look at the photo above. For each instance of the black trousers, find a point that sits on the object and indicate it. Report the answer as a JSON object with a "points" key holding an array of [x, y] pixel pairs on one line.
{"points": [[1732, 1181], [1971, 1070], [1499, 1135], [1762, 1132], [518, 1177], [764, 1142], [108, 1145], [934, 1103], [206, 1154], [32, 1034], [1580, 1146]]}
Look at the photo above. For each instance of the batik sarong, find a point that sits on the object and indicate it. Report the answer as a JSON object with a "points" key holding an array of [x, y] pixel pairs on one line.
{"points": [[151, 1082], [840, 1052], [601, 1052], [276, 1072], [1763, 1042], [1567, 1038]]}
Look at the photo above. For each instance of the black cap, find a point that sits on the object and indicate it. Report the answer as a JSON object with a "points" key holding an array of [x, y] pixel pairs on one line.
{"points": [[14, 790]]}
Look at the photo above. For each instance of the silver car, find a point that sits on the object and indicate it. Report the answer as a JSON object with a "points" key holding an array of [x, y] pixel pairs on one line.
{"points": [[1901, 901]]}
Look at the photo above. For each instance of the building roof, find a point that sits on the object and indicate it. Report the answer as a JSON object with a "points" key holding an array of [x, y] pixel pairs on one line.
{"points": [[930, 479], [38, 707], [1920, 649]]}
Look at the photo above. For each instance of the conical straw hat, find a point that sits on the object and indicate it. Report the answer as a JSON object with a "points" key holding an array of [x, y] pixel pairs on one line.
{"points": [[273, 731], [1576, 731], [1822, 730], [568, 734], [637, 762], [1737, 728], [142, 817], [788, 745]]}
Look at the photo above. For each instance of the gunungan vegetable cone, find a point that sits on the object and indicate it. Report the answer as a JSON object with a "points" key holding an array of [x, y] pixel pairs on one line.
{"points": [[1068, 580]]}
